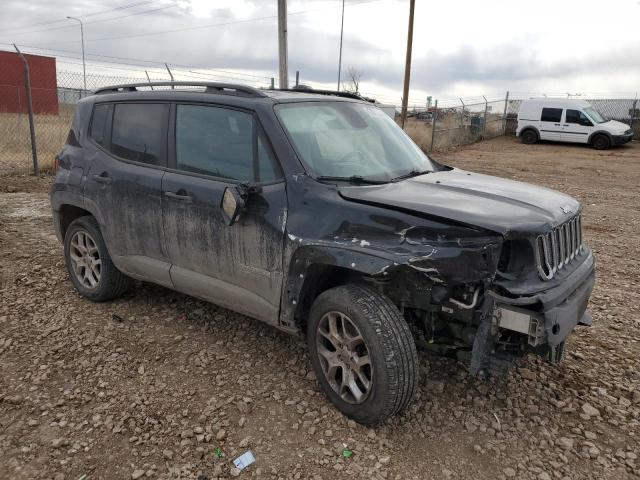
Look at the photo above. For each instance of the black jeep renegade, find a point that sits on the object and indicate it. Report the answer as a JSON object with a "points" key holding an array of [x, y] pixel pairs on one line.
{"points": [[314, 212]]}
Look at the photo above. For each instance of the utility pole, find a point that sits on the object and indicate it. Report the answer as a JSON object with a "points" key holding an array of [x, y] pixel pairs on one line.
{"points": [[84, 68], [407, 66], [282, 44], [340, 56]]}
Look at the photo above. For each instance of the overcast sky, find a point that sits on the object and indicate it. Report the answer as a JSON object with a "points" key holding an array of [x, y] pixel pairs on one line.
{"points": [[461, 48]]}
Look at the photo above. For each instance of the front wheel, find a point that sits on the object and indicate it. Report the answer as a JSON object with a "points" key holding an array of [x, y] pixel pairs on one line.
{"points": [[363, 353], [600, 142]]}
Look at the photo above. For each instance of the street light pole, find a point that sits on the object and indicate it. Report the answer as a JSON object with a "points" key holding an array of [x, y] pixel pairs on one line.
{"points": [[340, 57], [84, 68]]}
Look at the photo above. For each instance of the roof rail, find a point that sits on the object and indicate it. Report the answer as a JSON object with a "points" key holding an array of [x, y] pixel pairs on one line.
{"points": [[210, 87], [335, 93]]}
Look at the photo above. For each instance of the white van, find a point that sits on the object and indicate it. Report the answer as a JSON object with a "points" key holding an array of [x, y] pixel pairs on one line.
{"points": [[568, 120]]}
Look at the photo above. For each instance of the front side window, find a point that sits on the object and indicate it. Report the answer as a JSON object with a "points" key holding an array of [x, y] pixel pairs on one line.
{"points": [[139, 132], [348, 139], [576, 116], [222, 143], [551, 115]]}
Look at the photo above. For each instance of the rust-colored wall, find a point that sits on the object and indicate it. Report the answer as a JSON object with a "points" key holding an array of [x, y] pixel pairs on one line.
{"points": [[44, 93]]}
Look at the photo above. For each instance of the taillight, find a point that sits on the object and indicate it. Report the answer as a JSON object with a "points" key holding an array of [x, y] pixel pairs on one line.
{"points": [[56, 162]]}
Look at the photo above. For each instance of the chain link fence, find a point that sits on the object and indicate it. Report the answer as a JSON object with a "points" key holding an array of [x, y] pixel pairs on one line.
{"points": [[453, 123], [443, 125]]}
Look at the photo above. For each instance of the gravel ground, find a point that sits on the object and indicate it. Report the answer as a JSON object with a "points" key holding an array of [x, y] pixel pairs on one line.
{"points": [[151, 385]]}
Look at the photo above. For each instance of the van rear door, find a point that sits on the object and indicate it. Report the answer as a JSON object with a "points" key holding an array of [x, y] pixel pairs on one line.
{"points": [[576, 127], [550, 124]]}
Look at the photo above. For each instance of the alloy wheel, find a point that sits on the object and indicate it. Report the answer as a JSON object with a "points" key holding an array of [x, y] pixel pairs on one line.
{"points": [[85, 259], [344, 357]]}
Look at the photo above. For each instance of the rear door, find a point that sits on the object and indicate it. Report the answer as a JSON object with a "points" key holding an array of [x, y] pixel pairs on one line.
{"points": [[550, 124], [237, 266], [128, 143], [576, 126]]}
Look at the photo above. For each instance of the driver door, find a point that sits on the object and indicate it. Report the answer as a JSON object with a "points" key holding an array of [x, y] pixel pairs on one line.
{"points": [[576, 127], [238, 266]]}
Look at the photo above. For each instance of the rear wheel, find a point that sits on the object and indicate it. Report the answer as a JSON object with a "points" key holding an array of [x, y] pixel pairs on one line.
{"points": [[363, 353], [90, 268], [600, 142], [529, 136]]}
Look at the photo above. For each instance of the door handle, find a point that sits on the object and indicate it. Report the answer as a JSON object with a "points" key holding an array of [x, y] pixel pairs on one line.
{"points": [[557, 124], [183, 197], [102, 178]]}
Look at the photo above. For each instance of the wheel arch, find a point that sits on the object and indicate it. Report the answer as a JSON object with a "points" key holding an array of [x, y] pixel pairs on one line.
{"points": [[530, 127], [600, 132], [314, 269]]}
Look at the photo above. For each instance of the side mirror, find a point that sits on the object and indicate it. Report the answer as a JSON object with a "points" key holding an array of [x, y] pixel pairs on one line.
{"points": [[585, 123], [232, 205]]}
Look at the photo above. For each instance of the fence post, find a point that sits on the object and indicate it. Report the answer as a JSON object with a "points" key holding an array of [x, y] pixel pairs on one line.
{"points": [[27, 86], [633, 112], [504, 114], [433, 125], [148, 79], [170, 74], [484, 120], [272, 83], [297, 77], [462, 114]]}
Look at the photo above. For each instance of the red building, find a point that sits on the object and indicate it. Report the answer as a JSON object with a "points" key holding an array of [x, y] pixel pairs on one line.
{"points": [[44, 85]]}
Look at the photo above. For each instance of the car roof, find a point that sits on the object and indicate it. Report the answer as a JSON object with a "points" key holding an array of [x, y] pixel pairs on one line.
{"points": [[572, 102]]}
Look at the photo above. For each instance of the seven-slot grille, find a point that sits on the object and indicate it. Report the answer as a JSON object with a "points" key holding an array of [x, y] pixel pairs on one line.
{"points": [[557, 248]]}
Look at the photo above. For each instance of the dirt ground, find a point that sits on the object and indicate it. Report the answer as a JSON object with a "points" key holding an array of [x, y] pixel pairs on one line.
{"points": [[152, 384]]}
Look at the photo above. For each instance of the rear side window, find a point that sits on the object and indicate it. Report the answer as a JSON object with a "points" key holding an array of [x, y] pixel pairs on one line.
{"points": [[551, 115], [139, 132], [221, 142], [99, 124]]}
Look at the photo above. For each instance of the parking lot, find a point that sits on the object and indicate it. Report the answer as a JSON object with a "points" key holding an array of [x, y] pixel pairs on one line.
{"points": [[151, 385]]}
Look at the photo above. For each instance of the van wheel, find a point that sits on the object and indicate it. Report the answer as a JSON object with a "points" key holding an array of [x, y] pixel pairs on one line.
{"points": [[529, 137], [363, 353], [90, 268], [600, 142]]}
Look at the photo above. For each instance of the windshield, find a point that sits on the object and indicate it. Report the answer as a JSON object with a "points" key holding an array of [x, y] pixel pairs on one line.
{"points": [[595, 115], [351, 140]]}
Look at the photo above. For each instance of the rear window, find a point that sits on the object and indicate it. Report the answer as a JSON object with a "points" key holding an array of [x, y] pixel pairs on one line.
{"points": [[551, 115], [99, 124], [139, 132]]}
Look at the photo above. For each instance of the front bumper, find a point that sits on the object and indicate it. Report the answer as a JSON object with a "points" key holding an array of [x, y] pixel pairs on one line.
{"points": [[548, 328], [622, 139]]}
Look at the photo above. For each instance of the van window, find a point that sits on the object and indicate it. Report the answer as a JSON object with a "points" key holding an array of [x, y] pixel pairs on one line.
{"points": [[99, 124], [220, 142], [576, 116], [139, 132], [551, 115]]}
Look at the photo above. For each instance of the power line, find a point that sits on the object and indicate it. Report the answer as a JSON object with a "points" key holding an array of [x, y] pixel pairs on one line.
{"points": [[138, 61], [212, 25], [49, 22], [143, 12]]}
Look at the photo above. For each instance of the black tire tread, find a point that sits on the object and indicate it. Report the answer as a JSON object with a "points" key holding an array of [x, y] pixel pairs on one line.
{"points": [[116, 282], [397, 343]]}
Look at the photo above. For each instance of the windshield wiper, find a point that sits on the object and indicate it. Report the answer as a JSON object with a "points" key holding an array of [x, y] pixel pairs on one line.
{"points": [[357, 179], [412, 173]]}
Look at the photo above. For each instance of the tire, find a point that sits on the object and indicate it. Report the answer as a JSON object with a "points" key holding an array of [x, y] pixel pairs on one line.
{"points": [[385, 340], [529, 137], [90, 268], [600, 142]]}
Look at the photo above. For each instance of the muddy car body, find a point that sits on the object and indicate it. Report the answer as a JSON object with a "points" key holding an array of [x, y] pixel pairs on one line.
{"points": [[472, 265]]}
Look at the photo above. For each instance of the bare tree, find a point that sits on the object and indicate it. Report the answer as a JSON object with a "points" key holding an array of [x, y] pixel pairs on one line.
{"points": [[354, 75]]}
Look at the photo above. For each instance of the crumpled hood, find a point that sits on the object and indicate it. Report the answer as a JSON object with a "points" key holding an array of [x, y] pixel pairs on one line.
{"points": [[496, 204]]}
